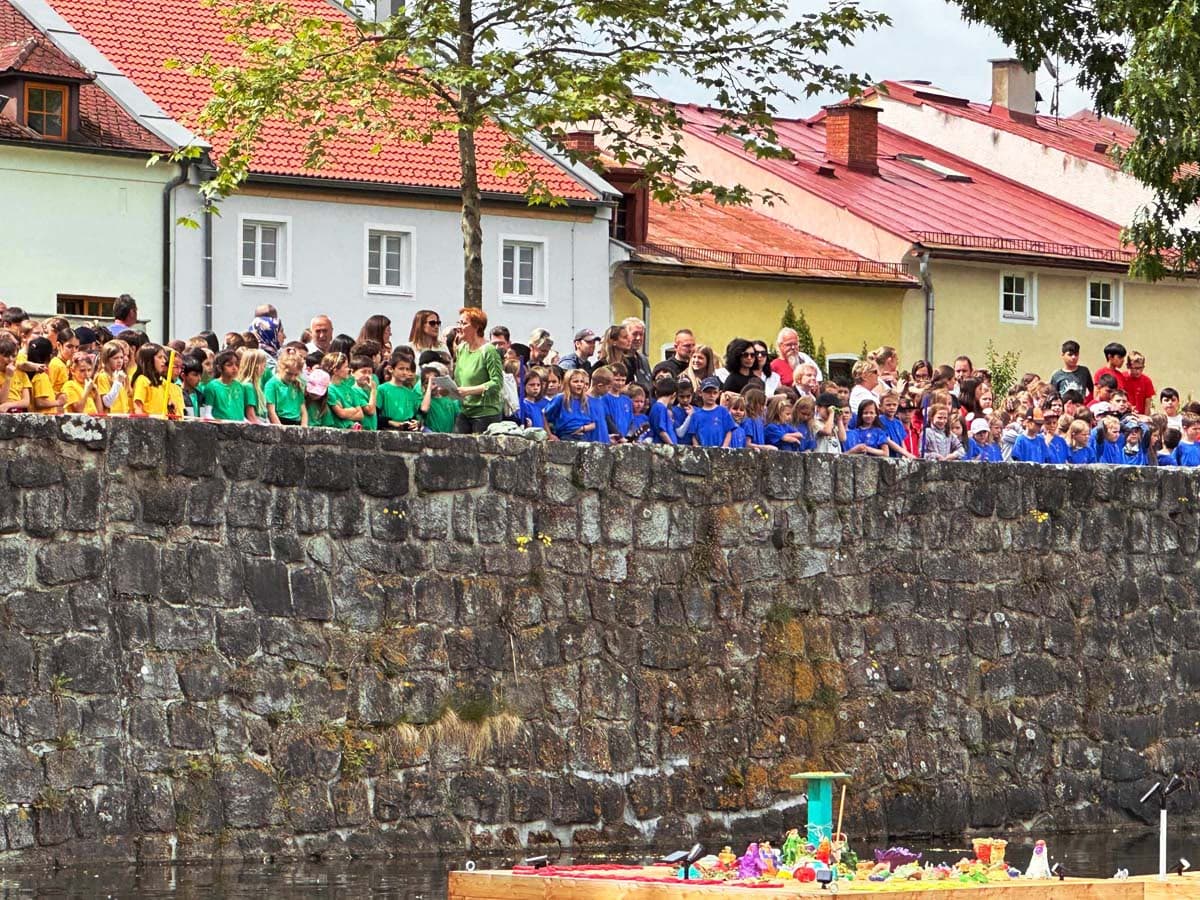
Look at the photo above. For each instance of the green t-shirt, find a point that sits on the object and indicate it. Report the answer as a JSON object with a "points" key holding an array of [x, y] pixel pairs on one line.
{"points": [[288, 399], [476, 367], [228, 401], [317, 419], [342, 394], [442, 413], [396, 403]]}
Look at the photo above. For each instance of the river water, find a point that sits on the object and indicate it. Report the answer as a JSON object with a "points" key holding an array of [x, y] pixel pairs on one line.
{"points": [[424, 878]]}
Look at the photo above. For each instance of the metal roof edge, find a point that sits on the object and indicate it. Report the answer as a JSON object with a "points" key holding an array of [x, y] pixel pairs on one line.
{"points": [[112, 80]]}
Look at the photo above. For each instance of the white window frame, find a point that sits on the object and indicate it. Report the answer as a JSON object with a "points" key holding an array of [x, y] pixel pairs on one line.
{"points": [[1031, 311], [541, 272], [1117, 320], [283, 272], [408, 286]]}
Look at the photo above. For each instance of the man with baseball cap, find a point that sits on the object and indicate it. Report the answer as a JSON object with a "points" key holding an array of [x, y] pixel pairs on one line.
{"points": [[581, 357]]}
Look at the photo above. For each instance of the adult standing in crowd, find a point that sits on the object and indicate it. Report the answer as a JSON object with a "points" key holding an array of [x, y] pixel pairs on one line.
{"points": [[762, 368], [321, 329], [125, 314], [581, 356], [541, 348], [378, 329], [739, 364], [500, 337], [685, 345], [636, 361], [791, 357], [426, 334], [479, 374]]}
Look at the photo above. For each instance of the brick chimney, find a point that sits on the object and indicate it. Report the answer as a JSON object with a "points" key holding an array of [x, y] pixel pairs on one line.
{"points": [[582, 142], [1014, 88], [852, 136]]}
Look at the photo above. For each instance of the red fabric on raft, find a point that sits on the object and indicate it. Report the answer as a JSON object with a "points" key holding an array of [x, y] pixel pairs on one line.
{"points": [[619, 873]]}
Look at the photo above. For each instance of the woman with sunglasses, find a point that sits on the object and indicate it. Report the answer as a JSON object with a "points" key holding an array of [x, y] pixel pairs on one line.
{"points": [[739, 363], [762, 369], [426, 333]]}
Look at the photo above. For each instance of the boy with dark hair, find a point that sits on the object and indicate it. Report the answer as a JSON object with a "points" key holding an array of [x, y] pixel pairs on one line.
{"points": [[662, 423], [399, 399], [1106, 386], [225, 394], [1114, 363], [1072, 376], [1187, 453], [1169, 401]]}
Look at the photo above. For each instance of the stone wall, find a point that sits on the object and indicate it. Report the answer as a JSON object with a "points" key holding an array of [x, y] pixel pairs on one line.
{"points": [[243, 641]]}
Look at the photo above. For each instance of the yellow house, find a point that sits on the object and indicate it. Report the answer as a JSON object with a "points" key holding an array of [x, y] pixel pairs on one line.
{"points": [[996, 260], [729, 271]]}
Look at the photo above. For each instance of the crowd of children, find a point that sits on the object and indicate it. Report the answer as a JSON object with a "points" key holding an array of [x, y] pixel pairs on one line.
{"points": [[754, 402]]}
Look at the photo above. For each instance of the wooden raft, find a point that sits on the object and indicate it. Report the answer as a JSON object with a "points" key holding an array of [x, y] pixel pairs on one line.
{"points": [[503, 885]]}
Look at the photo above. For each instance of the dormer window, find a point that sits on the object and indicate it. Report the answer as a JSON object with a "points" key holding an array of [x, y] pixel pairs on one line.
{"points": [[47, 108]]}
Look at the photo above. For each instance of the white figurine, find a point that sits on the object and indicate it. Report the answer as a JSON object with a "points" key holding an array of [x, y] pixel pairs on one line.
{"points": [[1122, 874], [1039, 864]]}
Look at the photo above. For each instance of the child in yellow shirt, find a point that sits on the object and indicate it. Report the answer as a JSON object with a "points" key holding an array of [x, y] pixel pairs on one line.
{"points": [[43, 399], [150, 387], [59, 369], [111, 380], [80, 391]]}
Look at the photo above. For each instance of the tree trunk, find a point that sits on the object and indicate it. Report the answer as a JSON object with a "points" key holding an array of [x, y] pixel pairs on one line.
{"points": [[472, 222]]}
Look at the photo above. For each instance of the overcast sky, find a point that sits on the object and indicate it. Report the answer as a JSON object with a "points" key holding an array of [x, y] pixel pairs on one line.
{"points": [[927, 40]]}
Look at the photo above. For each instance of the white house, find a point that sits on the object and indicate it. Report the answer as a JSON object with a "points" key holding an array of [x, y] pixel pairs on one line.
{"points": [[368, 233]]}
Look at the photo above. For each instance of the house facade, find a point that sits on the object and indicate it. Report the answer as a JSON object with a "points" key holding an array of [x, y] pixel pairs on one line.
{"points": [[998, 261], [79, 201], [369, 233]]}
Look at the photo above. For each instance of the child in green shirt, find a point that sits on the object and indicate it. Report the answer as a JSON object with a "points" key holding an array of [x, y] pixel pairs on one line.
{"points": [[438, 410], [284, 393], [398, 400], [225, 394]]}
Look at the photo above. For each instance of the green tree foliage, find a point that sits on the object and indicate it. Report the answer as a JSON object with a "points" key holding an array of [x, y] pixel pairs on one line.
{"points": [[535, 68], [1003, 369], [789, 319], [807, 344], [819, 357], [1140, 60]]}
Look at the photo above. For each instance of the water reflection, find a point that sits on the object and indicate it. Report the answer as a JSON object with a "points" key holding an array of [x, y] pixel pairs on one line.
{"points": [[424, 878]]}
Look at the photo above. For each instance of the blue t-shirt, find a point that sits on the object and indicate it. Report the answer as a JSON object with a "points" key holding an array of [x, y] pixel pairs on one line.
{"points": [[599, 407], [568, 418], [1084, 456], [872, 437], [1057, 450], [1166, 457], [662, 422], [988, 452], [679, 414], [1029, 449], [737, 438], [533, 413], [895, 431], [709, 426], [620, 414], [755, 431], [1187, 455], [773, 435], [1107, 451]]}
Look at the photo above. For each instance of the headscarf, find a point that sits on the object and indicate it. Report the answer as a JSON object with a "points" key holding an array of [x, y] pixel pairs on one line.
{"points": [[267, 330]]}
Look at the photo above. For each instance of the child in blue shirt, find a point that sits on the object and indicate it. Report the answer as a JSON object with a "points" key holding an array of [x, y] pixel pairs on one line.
{"points": [[869, 436], [1188, 454], [736, 404], [1056, 433], [1135, 446], [1030, 446], [754, 426], [712, 425], [1080, 451], [779, 431], [1106, 441], [598, 403], [897, 434], [620, 407], [639, 426], [662, 415], [569, 415], [533, 407], [682, 407], [986, 450], [1171, 440]]}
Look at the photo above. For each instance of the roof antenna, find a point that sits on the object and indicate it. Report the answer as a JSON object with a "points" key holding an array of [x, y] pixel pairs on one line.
{"points": [[1052, 69]]}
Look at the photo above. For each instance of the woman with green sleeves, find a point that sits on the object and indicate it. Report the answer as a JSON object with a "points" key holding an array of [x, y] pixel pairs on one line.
{"points": [[479, 374]]}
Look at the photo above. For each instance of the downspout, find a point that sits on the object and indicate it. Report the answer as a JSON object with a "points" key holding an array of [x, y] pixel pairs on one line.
{"points": [[168, 224], [641, 295], [927, 290], [206, 225]]}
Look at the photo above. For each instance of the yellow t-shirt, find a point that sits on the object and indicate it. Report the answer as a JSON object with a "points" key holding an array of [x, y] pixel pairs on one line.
{"points": [[41, 390], [74, 390], [60, 374], [175, 399], [153, 399], [121, 404], [20, 381]]}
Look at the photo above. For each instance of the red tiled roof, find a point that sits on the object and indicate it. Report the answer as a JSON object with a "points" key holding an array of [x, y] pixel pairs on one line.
{"points": [[37, 56], [102, 122], [1084, 135], [138, 38], [908, 200], [698, 231]]}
